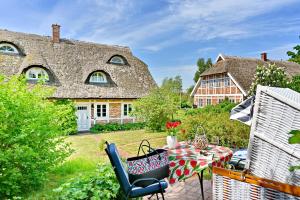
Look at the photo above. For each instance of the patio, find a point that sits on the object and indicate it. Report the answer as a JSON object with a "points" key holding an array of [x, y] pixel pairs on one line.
{"points": [[189, 190]]}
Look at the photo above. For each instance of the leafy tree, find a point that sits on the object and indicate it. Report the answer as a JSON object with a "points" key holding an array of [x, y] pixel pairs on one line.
{"points": [[172, 84], [160, 105], [30, 135], [270, 75], [294, 56], [202, 66], [68, 121]]}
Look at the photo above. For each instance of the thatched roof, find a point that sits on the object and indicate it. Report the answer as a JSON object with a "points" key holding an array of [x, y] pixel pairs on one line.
{"points": [[70, 63], [243, 69]]}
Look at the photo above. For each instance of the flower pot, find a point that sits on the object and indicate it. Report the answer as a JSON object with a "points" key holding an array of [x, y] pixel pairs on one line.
{"points": [[171, 141]]}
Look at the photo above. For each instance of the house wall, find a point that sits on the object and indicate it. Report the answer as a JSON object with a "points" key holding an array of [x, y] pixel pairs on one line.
{"points": [[213, 89], [114, 109]]}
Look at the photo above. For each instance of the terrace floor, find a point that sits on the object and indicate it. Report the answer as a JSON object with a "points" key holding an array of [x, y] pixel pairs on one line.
{"points": [[188, 190]]}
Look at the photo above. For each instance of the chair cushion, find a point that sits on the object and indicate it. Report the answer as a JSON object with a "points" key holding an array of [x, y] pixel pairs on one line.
{"points": [[151, 189]]}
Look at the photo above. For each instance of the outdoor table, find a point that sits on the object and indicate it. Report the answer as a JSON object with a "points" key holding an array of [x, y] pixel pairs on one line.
{"points": [[186, 160]]}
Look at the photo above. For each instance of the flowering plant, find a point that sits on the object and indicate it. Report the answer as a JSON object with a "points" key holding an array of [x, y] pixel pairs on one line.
{"points": [[173, 128]]}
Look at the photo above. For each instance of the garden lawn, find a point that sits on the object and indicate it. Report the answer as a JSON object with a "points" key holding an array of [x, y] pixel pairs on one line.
{"points": [[89, 150]]}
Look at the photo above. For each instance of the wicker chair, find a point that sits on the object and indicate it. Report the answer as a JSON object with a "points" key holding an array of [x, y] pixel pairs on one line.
{"points": [[276, 113]]}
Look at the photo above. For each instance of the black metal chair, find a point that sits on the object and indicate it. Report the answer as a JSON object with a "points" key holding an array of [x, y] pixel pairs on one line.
{"points": [[129, 189]]}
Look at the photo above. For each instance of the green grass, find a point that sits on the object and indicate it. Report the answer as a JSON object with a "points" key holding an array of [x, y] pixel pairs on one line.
{"points": [[87, 154]]}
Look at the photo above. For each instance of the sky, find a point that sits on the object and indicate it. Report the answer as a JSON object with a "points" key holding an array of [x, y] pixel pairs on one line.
{"points": [[168, 35]]}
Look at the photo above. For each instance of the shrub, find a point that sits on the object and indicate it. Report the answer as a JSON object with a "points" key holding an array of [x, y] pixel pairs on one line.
{"points": [[100, 186], [98, 128], [157, 108], [270, 75], [67, 115], [215, 120], [29, 135], [295, 83]]}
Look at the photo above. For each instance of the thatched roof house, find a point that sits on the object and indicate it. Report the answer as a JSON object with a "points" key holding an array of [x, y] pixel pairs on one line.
{"points": [[231, 77], [79, 70]]}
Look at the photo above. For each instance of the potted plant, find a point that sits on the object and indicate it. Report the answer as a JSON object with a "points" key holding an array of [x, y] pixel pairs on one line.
{"points": [[172, 129]]}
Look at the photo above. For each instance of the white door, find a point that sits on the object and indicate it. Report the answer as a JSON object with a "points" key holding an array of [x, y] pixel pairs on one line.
{"points": [[83, 122]]}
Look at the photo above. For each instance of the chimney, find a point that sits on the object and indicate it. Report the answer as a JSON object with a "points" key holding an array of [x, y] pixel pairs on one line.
{"points": [[55, 33], [264, 56]]}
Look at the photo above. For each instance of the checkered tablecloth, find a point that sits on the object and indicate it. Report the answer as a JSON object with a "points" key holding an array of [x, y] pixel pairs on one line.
{"points": [[186, 160]]}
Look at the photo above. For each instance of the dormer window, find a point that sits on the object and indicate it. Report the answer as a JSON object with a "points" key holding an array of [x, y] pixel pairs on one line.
{"points": [[8, 48], [119, 60], [37, 73], [98, 77]]}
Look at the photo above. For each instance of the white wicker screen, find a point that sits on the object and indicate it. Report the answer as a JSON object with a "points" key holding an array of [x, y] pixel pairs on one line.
{"points": [[276, 113], [227, 188]]}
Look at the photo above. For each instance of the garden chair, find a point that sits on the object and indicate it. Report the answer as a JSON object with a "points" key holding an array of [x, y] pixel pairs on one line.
{"points": [[129, 189]]}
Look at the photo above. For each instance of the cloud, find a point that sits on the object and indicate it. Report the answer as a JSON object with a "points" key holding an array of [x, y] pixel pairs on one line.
{"points": [[205, 49], [277, 52], [137, 24]]}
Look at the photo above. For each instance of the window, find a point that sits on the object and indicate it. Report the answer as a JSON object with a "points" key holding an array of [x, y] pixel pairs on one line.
{"points": [[37, 73], [220, 100], [203, 83], [101, 110], [232, 100], [208, 101], [127, 108], [227, 82], [98, 77], [200, 103], [217, 82], [8, 48], [117, 60], [211, 83]]}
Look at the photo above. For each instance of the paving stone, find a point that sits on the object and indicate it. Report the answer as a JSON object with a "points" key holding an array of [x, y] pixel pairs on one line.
{"points": [[188, 190]]}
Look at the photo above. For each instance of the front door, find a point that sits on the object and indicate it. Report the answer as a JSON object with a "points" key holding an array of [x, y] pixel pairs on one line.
{"points": [[83, 122]]}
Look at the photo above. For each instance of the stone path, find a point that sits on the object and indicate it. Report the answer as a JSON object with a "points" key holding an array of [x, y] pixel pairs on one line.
{"points": [[188, 190]]}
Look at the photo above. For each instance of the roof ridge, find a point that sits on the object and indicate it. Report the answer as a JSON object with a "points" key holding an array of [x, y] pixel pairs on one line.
{"points": [[66, 40]]}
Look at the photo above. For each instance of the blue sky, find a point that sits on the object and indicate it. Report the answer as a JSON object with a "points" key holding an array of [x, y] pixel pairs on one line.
{"points": [[169, 35]]}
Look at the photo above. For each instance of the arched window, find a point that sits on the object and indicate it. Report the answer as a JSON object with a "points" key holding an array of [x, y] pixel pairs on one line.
{"points": [[8, 48], [37, 73], [98, 77], [117, 60]]}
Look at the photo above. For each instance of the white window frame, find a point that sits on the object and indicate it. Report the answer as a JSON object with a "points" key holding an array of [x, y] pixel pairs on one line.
{"points": [[98, 76], [117, 57], [211, 83], [225, 81], [220, 100], [217, 82], [200, 103], [210, 101], [122, 110], [36, 71], [203, 83], [231, 99], [101, 117], [15, 50]]}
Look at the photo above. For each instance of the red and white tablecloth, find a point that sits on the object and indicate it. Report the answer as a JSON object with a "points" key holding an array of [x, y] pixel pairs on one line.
{"points": [[186, 160]]}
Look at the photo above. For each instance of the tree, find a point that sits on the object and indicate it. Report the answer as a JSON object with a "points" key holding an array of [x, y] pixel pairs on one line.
{"points": [[160, 105], [270, 75], [295, 56], [30, 135], [172, 84], [202, 66]]}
